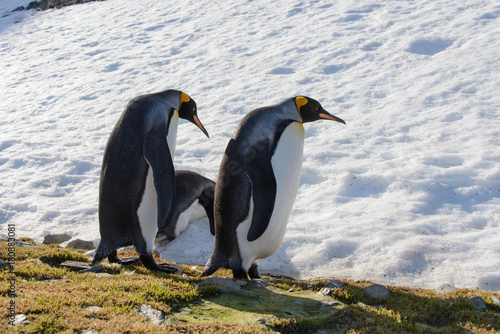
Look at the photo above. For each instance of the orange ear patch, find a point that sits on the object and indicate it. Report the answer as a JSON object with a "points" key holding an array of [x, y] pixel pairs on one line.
{"points": [[184, 97], [300, 101]]}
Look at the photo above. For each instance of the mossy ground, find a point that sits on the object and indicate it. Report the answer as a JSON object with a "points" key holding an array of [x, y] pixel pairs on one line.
{"points": [[54, 299]]}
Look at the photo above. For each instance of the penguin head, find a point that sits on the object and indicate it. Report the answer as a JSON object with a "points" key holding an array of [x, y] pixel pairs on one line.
{"points": [[310, 110], [188, 111]]}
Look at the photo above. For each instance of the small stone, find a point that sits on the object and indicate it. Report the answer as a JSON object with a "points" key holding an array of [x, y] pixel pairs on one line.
{"points": [[129, 272], [291, 290], [478, 303], [104, 275], [288, 312], [93, 269], [155, 316], [55, 238], [258, 282], [377, 291], [495, 300], [4, 265], [331, 286], [21, 319], [24, 244], [261, 321], [76, 265], [93, 331], [93, 309], [90, 253], [445, 288], [80, 244], [297, 302], [334, 284]]}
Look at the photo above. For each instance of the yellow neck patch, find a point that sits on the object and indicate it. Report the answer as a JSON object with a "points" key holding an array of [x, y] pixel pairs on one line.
{"points": [[184, 97], [300, 101]]}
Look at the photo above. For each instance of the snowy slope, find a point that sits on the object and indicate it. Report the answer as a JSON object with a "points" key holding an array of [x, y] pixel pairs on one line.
{"points": [[408, 192]]}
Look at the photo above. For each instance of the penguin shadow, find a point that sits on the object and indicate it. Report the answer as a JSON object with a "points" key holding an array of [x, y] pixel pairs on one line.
{"points": [[276, 300]]}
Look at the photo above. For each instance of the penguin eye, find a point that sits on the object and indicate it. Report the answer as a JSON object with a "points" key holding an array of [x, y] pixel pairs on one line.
{"points": [[316, 108]]}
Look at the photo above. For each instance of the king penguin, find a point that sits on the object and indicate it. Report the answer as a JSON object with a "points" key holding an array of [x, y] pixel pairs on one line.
{"points": [[194, 199], [257, 184], [137, 184]]}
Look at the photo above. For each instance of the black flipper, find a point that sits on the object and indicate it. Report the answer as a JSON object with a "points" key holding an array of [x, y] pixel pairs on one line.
{"points": [[157, 154], [260, 171], [207, 201]]}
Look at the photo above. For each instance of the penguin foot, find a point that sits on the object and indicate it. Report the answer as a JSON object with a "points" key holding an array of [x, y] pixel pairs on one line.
{"points": [[253, 272], [149, 262], [239, 274]]}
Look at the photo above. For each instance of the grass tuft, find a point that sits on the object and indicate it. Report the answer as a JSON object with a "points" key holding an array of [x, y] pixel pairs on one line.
{"points": [[57, 300]]}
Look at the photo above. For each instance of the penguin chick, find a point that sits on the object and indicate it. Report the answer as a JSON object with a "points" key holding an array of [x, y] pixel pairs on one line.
{"points": [[194, 199]]}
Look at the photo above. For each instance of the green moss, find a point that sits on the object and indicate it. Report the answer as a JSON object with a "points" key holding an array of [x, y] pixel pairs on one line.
{"points": [[53, 297]]}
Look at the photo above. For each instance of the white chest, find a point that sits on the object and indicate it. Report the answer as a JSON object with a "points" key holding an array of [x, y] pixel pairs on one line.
{"points": [[287, 166]]}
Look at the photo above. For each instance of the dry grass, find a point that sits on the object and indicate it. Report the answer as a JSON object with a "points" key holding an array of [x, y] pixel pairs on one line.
{"points": [[55, 300]]}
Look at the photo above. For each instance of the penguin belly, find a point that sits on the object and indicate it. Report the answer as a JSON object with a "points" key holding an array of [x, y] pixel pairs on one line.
{"points": [[287, 166], [194, 212], [147, 212]]}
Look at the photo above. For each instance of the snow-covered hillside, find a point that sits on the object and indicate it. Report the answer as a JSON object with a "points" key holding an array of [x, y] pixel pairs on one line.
{"points": [[408, 192]]}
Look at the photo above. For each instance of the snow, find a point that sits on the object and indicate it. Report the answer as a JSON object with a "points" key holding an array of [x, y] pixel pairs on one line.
{"points": [[407, 193]]}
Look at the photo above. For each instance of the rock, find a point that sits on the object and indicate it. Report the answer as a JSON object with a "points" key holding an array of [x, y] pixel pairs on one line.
{"points": [[93, 269], [330, 286], [93, 309], [21, 319], [49, 4], [261, 321], [478, 303], [4, 237], [445, 288], [495, 300], [80, 244], [155, 316], [377, 291], [259, 282], [55, 238], [93, 331], [24, 244], [75, 265], [104, 275], [90, 254], [4, 265]]}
